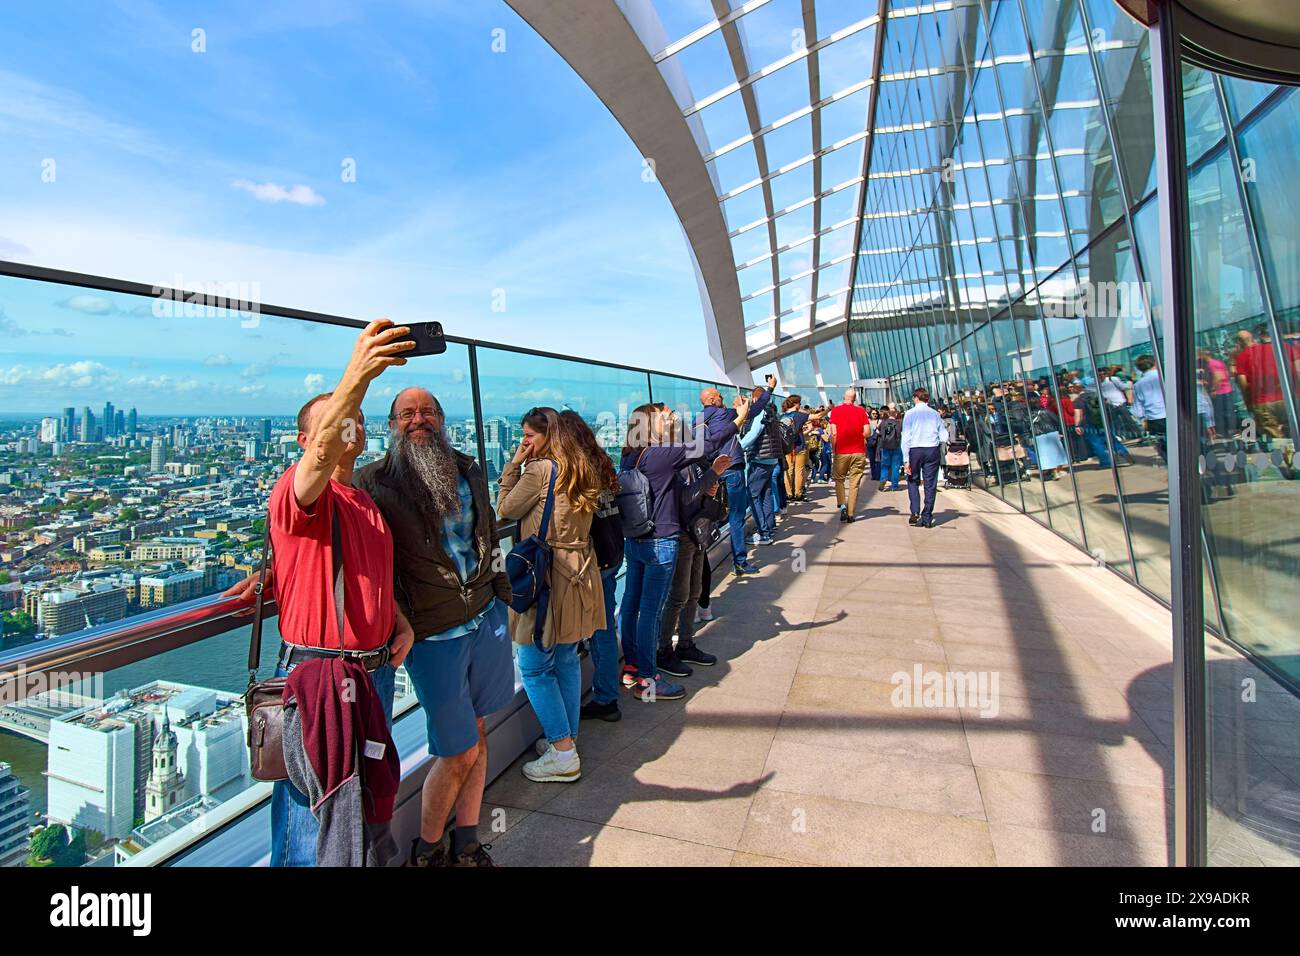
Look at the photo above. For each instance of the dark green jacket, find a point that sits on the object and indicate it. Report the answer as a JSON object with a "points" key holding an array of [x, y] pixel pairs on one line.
{"points": [[428, 590]]}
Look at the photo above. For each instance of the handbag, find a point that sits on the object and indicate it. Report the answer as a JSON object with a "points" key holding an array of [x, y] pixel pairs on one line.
{"points": [[264, 700], [528, 567]]}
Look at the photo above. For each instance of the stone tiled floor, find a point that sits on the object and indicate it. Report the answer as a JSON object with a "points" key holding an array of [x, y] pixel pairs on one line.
{"points": [[792, 750]]}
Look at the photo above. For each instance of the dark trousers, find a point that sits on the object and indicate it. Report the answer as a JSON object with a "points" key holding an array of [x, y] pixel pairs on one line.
{"points": [[924, 463]]}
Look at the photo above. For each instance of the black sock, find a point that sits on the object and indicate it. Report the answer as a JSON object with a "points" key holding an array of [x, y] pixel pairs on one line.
{"points": [[425, 848], [462, 837]]}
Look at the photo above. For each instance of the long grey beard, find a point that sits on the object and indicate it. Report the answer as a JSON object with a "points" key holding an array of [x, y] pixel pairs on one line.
{"points": [[429, 473]]}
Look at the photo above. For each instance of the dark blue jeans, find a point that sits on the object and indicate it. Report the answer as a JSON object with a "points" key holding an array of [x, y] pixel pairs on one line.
{"points": [[1095, 436], [762, 474], [891, 463], [650, 566], [604, 646], [738, 504], [924, 463]]}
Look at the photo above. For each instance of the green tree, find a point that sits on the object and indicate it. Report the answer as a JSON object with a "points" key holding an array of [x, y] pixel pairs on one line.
{"points": [[48, 846]]}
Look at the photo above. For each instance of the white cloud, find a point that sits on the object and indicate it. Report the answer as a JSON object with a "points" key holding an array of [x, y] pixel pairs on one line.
{"points": [[273, 192], [164, 382], [313, 383], [89, 304], [83, 374], [13, 250], [220, 358]]}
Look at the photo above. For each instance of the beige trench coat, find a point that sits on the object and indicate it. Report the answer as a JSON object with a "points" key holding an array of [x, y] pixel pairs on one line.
{"points": [[577, 602]]}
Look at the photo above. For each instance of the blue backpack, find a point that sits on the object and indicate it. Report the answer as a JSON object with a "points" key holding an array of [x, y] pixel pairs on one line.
{"points": [[528, 566]]}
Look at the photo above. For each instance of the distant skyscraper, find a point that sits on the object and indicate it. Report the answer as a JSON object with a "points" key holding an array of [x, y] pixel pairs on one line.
{"points": [[50, 430], [250, 449], [67, 425], [109, 420], [87, 424], [131, 423], [157, 454], [119, 423], [266, 429]]}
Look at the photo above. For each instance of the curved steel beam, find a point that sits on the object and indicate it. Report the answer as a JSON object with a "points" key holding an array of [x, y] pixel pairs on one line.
{"points": [[602, 44]]}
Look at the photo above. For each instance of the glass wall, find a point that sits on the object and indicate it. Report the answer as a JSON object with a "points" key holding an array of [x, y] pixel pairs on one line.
{"points": [[139, 440], [1009, 261]]}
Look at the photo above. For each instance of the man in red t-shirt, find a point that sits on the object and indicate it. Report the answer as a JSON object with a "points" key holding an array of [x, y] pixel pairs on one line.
{"points": [[1256, 369], [306, 501], [849, 431]]}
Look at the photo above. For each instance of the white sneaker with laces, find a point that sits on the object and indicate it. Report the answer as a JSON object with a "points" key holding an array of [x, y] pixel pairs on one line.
{"points": [[703, 614], [551, 768]]}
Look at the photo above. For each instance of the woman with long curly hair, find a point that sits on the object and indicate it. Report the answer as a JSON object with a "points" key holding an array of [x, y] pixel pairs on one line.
{"points": [[552, 674], [607, 540]]}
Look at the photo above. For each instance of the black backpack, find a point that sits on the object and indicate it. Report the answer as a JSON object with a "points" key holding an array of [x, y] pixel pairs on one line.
{"points": [[1091, 406], [635, 502], [891, 435], [782, 432], [607, 534]]}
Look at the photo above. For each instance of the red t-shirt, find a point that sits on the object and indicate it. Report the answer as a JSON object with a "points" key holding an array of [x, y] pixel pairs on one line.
{"points": [[849, 420], [1257, 364], [302, 552]]}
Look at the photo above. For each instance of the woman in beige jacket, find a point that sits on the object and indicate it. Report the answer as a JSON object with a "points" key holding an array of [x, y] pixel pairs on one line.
{"points": [[552, 675]]}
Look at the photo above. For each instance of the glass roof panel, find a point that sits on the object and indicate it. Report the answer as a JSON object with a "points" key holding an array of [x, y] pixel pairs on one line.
{"points": [[781, 93], [790, 181], [706, 66]]}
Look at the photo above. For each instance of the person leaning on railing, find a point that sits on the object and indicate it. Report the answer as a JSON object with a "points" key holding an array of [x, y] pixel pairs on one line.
{"points": [[313, 507]]}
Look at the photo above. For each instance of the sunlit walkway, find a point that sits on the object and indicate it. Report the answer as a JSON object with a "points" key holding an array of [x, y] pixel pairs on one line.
{"points": [[790, 750]]}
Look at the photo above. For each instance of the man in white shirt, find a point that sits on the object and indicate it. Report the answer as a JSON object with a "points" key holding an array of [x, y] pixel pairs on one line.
{"points": [[923, 433], [1149, 402]]}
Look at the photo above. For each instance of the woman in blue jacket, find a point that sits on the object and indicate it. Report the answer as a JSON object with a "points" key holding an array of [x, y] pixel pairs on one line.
{"points": [[653, 447]]}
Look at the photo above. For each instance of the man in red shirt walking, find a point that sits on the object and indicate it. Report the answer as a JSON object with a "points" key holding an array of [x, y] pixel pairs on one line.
{"points": [[849, 431]]}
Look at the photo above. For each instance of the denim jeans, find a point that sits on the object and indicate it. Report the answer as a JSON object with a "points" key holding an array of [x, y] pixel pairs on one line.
{"points": [[778, 487], [1096, 439], [738, 504], [553, 680], [293, 826], [650, 566], [604, 646], [762, 476], [891, 463]]}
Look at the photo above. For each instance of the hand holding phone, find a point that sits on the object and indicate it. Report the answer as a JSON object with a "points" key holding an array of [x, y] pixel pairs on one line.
{"points": [[428, 338]]}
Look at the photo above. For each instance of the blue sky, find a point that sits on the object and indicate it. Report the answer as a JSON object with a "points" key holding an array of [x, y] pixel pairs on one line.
{"points": [[482, 177]]}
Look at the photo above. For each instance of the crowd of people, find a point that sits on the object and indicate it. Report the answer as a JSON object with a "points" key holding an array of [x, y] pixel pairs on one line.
{"points": [[1041, 424], [397, 563]]}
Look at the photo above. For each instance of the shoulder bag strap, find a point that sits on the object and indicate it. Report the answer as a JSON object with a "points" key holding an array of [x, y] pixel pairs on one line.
{"points": [[336, 546], [255, 632], [550, 503]]}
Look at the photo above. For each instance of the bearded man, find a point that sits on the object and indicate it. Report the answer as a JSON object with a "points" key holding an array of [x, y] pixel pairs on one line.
{"points": [[455, 594]]}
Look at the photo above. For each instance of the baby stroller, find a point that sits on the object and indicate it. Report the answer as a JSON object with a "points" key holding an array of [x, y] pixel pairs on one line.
{"points": [[956, 465]]}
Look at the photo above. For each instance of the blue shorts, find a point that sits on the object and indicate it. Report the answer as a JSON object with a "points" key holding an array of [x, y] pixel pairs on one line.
{"points": [[462, 679]]}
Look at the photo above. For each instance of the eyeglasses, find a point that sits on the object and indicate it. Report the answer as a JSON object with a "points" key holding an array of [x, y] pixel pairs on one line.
{"points": [[408, 414]]}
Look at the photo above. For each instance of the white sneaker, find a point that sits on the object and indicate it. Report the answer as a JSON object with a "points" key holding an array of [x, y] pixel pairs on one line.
{"points": [[549, 768], [703, 614]]}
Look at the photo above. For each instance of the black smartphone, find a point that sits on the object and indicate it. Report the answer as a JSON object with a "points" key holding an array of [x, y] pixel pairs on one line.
{"points": [[428, 338]]}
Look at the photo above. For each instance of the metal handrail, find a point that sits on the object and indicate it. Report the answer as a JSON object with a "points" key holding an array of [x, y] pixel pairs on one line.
{"points": [[114, 645]]}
